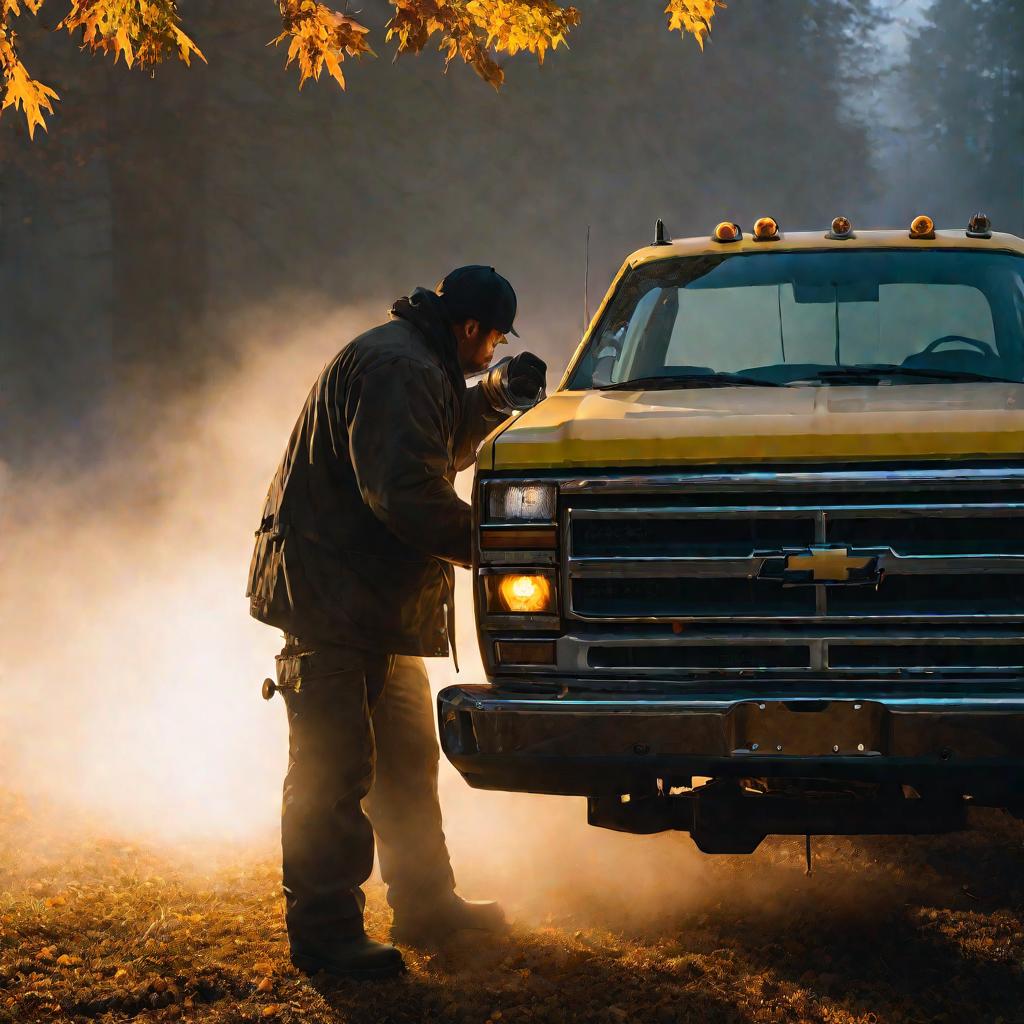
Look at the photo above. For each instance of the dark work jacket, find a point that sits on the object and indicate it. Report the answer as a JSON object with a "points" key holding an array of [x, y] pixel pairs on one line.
{"points": [[361, 523]]}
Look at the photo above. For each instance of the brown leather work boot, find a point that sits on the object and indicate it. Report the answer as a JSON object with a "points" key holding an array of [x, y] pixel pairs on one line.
{"points": [[359, 958], [433, 924]]}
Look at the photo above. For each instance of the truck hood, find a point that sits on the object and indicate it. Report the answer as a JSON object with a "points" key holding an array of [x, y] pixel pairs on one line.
{"points": [[748, 424]]}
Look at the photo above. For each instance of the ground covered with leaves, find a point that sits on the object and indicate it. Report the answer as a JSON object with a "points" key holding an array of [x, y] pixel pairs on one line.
{"points": [[885, 930]]}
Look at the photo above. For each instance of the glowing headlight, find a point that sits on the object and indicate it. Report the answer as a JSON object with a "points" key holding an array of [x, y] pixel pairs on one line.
{"points": [[520, 595], [522, 502]]}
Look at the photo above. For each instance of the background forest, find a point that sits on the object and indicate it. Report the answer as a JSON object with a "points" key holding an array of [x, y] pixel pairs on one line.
{"points": [[157, 208]]}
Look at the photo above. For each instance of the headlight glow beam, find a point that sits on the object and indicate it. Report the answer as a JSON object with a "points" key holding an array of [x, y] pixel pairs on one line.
{"points": [[526, 594]]}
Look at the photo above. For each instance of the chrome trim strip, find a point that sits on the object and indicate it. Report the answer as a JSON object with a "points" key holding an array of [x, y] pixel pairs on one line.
{"points": [[513, 558], [663, 568], [524, 703], [812, 620], [493, 620], [573, 653], [686, 567], [965, 510], [845, 511], [620, 639], [790, 480]]}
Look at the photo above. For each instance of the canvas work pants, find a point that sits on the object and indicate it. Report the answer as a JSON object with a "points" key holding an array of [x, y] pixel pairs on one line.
{"points": [[362, 759]]}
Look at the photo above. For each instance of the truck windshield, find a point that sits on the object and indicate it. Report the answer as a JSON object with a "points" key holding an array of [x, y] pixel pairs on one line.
{"points": [[796, 318]]}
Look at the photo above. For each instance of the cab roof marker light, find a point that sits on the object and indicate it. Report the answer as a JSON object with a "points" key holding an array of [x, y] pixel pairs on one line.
{"points": [[922, 227], [842, 228], [727, 231], [766, 229], [979, 226]]}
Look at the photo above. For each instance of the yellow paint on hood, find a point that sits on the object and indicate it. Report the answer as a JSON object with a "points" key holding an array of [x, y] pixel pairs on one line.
{"points": [[576, 429]]}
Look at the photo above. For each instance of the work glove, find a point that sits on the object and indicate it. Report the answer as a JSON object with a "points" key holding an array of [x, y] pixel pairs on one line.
{"points": [[516, 383]]}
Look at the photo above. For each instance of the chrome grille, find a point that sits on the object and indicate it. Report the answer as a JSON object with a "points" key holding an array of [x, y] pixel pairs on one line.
{"points": [[878, 571]]}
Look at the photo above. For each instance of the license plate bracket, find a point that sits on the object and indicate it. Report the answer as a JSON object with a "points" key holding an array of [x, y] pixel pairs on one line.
{"points": [[814, 728]]}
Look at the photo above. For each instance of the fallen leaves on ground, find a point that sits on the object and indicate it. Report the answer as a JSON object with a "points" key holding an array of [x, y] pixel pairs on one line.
{"points": [[889, 931]]}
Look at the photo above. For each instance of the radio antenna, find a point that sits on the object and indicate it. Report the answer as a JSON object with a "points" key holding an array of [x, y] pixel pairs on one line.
{"points": [[586, 285]]}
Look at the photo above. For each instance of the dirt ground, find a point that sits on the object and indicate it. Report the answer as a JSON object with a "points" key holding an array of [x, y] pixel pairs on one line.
{"points": [[885, 930]]}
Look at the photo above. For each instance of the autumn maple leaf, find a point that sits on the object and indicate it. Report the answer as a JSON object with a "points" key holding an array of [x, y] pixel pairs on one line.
{"points": [[535, 27], [13, 7], [21, 90], [693, 16], [472, 29], [145, 32], [320, 37]]}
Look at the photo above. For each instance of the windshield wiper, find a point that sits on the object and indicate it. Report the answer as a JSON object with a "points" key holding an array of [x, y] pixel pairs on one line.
{"points": [[686, 380], [877, 371]]}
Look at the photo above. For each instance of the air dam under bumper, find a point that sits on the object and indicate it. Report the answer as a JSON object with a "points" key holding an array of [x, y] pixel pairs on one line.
{"points": [[595, 744]]}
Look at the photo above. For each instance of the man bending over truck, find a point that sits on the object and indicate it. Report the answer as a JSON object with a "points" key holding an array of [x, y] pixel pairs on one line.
{"points": [[354, 562]]}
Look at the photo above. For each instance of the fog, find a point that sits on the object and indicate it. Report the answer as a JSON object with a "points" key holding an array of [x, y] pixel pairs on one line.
{"points": [[131, 681], [182, 254]]}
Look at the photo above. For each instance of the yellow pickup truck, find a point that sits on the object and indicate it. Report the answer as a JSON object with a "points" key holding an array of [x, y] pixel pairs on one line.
{"points": [[757, 566]]}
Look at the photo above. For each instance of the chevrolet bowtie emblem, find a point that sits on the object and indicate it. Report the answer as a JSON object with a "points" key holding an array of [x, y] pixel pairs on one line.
{"points": [[827, 564], [820, 565]]}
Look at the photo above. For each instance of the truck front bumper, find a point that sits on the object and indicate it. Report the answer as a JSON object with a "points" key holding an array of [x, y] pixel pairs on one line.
{"points": [[596, 744]]}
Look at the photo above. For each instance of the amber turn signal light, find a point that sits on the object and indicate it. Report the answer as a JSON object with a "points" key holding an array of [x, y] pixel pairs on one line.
{"points": [[520, 594], [727, 231], [512, 539], [525, 652], [766, 229], [922, 227]]}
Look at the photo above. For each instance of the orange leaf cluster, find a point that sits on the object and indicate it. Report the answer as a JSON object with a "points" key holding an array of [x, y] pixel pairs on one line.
{"points": [[415, 21], [471, 28], [693, 16], [532, 26], [320, 38], [8, 7], [145, 32], [21, 90]]}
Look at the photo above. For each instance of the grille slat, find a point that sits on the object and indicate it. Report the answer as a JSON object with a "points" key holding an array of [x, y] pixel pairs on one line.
{"points": [[694, 656], [934, 655], [993, 594], [936, 535], [687, 537], [688, 598]]}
